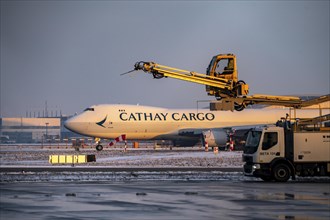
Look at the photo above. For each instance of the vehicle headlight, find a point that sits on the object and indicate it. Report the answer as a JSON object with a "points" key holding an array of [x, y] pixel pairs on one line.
{"points": [[256, 166]]}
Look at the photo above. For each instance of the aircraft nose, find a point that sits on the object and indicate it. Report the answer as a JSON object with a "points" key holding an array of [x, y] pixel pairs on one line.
{"points": [[68, 124], [72, 124], [77, 125]]}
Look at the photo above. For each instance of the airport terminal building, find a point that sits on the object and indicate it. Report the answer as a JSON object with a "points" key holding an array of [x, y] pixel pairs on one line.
{"points": [[34, 130]]}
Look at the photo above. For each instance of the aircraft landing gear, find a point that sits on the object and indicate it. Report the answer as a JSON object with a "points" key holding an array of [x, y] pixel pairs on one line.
{"points": [[99, 147]]}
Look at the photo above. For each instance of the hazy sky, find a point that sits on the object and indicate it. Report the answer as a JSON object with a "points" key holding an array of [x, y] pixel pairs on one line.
{"points": [[70, 54]]}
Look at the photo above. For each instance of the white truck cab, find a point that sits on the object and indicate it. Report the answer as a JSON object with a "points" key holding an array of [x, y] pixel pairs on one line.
{"points": [[286, 150]]}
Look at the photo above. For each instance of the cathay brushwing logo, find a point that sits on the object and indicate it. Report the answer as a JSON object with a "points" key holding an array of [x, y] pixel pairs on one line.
{"points": [[102, 122]]}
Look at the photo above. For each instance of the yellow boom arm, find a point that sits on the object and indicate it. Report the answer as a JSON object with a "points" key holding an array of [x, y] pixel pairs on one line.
{"points": [[160, 71], [227, 86], [221, 81]]}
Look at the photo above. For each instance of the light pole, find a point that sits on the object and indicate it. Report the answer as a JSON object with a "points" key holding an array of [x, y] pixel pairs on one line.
{"points": [[47, 130]]}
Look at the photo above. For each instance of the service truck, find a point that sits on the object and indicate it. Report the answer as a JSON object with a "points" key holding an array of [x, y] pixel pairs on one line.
{"points": [[288, 149]]}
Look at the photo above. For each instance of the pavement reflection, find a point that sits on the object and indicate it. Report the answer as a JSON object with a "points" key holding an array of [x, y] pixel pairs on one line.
{"points": [[165, 200]]}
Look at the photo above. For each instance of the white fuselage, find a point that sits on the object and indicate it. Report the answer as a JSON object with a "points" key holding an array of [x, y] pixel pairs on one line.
{"points": [[144, 122]]}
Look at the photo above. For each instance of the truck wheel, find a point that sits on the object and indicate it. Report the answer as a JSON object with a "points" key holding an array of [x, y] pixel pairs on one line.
{"points": [[99, 147], [281, 173]]}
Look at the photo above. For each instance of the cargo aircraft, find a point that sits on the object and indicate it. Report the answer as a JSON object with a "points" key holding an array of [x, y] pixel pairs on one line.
{"points": [[184, 127]]}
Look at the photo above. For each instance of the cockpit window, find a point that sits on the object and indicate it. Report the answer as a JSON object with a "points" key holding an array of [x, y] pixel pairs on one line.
{"points": [[225, 66], [89, 109]]}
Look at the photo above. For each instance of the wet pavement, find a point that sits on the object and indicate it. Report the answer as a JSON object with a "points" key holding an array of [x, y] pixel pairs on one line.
{"points": [[222, 199], [150, 184]]}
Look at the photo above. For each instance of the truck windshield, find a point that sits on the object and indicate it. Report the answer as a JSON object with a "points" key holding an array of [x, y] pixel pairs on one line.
{"points": [[252, 142]]}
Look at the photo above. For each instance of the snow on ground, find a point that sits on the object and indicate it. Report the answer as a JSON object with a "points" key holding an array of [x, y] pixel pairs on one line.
{"points": [[122, 176], [37, 156], [145, 157], [177, 159]]}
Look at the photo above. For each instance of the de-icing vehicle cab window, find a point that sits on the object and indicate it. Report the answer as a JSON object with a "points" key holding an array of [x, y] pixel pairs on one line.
{"points": [[270, 140], [225, 66]]}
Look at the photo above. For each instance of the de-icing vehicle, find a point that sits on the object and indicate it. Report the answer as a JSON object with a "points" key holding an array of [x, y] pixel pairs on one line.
{"points": [[288, 149], [221, 80]]}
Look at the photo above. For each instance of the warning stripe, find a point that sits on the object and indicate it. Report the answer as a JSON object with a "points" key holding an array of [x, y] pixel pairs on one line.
{"points": [[118, 139]]}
